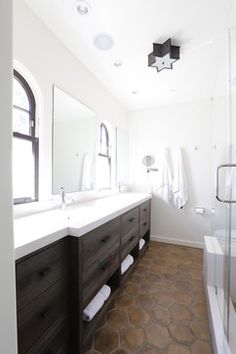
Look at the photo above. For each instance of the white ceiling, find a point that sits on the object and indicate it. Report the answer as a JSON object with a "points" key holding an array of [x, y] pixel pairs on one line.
{"points": [[198, 26]]}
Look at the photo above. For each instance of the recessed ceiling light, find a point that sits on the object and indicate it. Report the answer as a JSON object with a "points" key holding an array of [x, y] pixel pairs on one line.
{"points": [[103, 41], [135, 92], [117, 63], [82, 7]]}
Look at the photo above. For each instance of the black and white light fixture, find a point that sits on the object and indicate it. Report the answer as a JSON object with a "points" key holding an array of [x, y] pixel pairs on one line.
{"points": [[163, 55]]}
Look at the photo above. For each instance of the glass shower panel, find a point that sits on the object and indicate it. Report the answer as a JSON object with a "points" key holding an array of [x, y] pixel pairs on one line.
{"points": [[231, 259], [220, 155]]}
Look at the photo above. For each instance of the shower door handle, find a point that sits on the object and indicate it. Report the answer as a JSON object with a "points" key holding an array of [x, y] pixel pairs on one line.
{"points": [[228, 165]]}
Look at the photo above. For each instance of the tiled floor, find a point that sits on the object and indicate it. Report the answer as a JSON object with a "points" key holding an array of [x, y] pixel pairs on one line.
{"points": [[161, 309]]}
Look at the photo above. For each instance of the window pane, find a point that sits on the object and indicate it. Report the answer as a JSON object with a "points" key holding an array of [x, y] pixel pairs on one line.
{"points": [[20, 97], [21, 121], [23, 169], [103, 173]]}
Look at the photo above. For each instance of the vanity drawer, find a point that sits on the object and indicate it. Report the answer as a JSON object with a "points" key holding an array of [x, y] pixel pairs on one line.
{"points": [[129, 221], [145, 210], [99, 242], [128, 242], [39, 271], [54, 341], [35, 318], [97, 276], [144, 220]]}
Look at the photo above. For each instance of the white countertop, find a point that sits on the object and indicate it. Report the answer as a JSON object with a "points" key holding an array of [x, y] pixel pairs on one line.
{"points": [[38, 230]]}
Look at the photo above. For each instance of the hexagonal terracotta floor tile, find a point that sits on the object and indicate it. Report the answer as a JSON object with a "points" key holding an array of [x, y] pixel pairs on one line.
{"points": [[137, 278], [106, 340], [166, 285], [197, 274], [140, 270], [183, 298], [201, 329], [178, 349], [139, 317], [131, 288], [181, 312], [117, 319], [132, 338], [150, 351], [162, 314], [181, 333], [165, 299], [183, 275], [202, 347], [183, 285], [121, 351], [199, 311], [146, 301], [125, 301], [158, 336]]}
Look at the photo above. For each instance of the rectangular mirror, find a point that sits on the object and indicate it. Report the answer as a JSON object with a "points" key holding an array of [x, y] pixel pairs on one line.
{"points": [[74, 144], [122, 157]]}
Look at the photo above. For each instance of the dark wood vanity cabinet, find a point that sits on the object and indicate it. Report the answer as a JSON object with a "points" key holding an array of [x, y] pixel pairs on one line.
{"points": [[42, 300], [56, 283]]}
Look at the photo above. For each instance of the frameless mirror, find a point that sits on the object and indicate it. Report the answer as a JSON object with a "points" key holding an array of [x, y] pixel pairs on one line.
{"points": [[74, 144], [122, 157]]}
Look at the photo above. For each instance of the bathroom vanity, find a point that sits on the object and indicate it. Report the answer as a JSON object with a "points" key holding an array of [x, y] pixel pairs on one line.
{"points": [[58, 274]]}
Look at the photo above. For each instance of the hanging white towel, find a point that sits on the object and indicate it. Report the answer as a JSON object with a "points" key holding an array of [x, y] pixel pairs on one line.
{"points": [[180, 188], [164, 187], [86, 175]]}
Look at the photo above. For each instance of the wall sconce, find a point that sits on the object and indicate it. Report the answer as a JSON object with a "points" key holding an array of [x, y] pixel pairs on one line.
{"points": [[163, 55], [148, 161]]}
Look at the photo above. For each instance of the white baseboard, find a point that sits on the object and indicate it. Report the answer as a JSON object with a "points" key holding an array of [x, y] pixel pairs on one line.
{"points": [[174, 241]]}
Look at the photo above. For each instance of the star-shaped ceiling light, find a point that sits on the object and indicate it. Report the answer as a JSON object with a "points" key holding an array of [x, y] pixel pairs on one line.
{"points": [[163, 55]]}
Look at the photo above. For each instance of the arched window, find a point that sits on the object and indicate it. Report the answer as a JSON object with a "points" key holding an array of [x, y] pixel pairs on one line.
{"points": [[104, 158], [25, 143]]}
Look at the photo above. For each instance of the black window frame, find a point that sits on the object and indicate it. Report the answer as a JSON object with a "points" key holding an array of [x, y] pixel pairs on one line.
{"points": [[30, 137], [107, 154]]}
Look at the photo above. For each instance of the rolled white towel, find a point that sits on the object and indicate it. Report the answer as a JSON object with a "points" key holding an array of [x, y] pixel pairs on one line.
{"points": [[130, 259], [126, 263], [105, 291], [93, 307], [141, 243]]}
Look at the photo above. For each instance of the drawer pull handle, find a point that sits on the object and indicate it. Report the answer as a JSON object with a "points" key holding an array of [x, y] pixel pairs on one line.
{"points": [[106, 265], [131, 238], [105, 239], [45, 312], [145, 224], [131, 219], [45, 271]]}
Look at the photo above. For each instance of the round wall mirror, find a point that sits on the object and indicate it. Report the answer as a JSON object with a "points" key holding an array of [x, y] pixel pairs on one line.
{"points": [[148, 160]]}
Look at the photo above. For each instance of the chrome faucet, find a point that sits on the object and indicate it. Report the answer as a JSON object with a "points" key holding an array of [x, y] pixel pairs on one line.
{"points": [[63, 198]]}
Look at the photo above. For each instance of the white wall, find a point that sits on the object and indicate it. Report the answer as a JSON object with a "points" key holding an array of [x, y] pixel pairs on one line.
{"points": [[7, 293], [50, 63], [186, 125]]}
